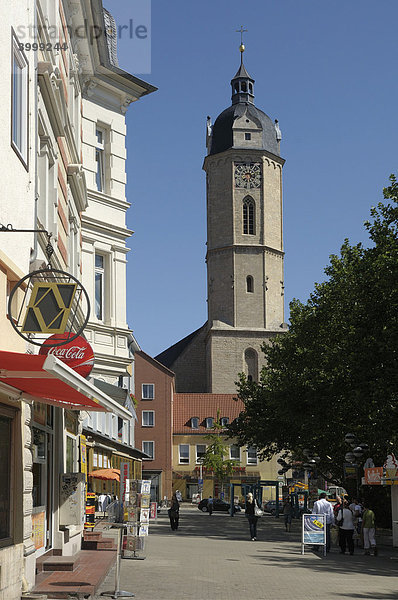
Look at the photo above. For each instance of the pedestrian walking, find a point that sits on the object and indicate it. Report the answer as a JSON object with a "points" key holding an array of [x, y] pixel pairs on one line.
{"points": [[346, 524], [174, 513], [336, 507], [250, 512], [288, 513], [210, 505], [369, 530], [323, 507]]}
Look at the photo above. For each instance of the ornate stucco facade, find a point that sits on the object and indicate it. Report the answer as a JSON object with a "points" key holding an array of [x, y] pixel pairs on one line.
{"points": [[53, 99]]}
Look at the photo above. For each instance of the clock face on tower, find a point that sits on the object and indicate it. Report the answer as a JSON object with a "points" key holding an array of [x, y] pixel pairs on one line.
{"points": [[247, 175]]}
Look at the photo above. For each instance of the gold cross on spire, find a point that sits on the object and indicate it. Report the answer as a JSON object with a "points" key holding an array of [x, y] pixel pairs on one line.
{"points": [[241, 31], [242, 46]]}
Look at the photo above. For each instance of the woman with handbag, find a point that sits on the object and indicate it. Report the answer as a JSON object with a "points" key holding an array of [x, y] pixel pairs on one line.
{"points": [[252, 512], [345, 522]]}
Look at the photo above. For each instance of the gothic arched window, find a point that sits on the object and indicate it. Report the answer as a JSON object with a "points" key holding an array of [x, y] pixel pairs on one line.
{"points": [[248, 216], [249, 284], [251, 364]]}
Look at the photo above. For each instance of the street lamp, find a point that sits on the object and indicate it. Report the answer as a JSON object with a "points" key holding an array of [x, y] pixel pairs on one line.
{"points": [[358, 450]]}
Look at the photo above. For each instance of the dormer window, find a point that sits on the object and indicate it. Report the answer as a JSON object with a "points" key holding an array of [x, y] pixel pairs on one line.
{"points": [[209, 422], [195, 422], [224, 421]]}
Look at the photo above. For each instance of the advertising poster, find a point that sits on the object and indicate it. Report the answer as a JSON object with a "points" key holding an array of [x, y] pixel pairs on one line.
{"points": [[145, 487], [124, 481], [314, 530], [143, 530], [38, 529], [144, 516], [153, 510], [145, 501]]}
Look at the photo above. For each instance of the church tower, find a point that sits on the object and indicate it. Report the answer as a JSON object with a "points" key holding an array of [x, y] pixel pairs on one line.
{"points": [[245, 289], [244, 237]]}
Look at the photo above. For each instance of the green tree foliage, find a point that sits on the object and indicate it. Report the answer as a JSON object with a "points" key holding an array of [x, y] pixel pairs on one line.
{"points": [[336, 369], [215, 458]]}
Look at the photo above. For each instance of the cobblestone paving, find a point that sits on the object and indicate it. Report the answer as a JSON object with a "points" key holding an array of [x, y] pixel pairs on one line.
{"points": [[212, 558]]}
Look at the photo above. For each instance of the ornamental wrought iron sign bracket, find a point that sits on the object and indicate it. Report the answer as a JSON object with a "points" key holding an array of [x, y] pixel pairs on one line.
{"points": [[47, 302], [49, 248]]}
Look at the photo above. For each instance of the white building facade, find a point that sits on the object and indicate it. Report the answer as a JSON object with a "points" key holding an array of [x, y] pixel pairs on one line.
{"points": [[56, 100]]}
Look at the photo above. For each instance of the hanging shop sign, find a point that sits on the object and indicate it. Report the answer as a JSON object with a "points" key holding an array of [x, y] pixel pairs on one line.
{"points": [[76, 353], [373, 475], [48, 302], [350, 471]]}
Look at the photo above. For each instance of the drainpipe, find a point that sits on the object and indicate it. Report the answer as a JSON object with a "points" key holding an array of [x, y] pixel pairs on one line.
{"points": [[33, 252]]}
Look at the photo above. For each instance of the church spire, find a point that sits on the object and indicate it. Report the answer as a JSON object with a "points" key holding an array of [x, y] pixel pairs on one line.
{"points": [[242, 84]]}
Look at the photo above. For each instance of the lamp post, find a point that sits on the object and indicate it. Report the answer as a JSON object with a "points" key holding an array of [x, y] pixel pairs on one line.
{"points": [[311, 463], [358, 449], [200, 481]]}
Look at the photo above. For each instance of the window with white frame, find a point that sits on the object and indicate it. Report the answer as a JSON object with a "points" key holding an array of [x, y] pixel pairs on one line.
{"points": [[251, 455], [200, 452], [70, 458], [209, 422], [100, 159], [234, 452], [149, 449], [99, 286], [19, 106], [120, 425], [224, 421], [148, 418], [183, 454], [195, 422], [148, 391]]}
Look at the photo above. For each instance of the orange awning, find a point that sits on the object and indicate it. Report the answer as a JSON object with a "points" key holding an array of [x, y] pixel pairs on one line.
{"points": [[106, 474], [47, 379]]}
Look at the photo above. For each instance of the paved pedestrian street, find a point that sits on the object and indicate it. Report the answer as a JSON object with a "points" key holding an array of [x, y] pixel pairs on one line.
{"points": [[213, 558]]}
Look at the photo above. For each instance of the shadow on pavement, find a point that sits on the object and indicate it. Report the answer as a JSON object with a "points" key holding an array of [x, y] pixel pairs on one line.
{"points": [[282, 549], [370, 596]]}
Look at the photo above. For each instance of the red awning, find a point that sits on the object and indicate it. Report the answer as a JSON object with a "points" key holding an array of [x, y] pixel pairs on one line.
{"points": [[47, 379]]}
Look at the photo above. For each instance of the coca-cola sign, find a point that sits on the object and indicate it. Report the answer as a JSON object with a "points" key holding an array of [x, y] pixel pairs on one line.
{"points": [[77, 354]]}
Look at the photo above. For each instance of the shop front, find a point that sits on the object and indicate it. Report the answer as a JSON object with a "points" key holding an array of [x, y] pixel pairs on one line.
{"points": [[41, 452], [43, 479]]}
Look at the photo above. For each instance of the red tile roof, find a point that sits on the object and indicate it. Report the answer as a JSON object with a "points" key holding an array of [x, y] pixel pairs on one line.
{"points": [[186, 406]]}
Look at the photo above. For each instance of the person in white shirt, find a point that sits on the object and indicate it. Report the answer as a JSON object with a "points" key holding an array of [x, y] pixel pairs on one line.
{"points": [[323, 507], [345, 522]]}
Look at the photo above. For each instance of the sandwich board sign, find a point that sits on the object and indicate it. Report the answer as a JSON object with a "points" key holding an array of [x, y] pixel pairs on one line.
{"points": [[313, 531]]}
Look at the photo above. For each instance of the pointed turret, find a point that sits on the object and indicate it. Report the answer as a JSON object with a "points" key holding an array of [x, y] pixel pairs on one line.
{"points": [[242, 84]]}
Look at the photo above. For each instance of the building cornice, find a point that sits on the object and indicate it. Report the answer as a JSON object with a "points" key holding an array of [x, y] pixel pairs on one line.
{"points": [[108, 200], [107, 229], [256, 152], [246, 248]]}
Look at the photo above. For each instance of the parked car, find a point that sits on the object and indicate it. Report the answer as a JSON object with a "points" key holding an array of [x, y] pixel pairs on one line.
{"points": [[270, 507], [218, 504]]}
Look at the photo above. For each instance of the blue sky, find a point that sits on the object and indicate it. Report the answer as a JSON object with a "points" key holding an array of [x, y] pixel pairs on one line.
{"points": [[327, 70]]}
